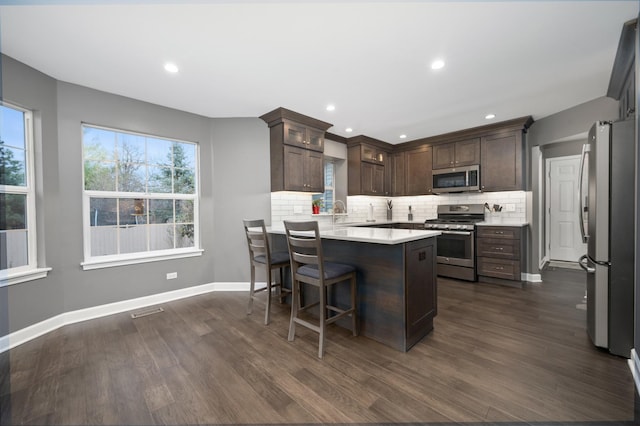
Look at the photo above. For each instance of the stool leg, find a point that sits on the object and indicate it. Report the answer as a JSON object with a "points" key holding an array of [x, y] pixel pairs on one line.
{"points": [[295, 296], [323, 320], [267, 311], [354, 306], [252, 289]]}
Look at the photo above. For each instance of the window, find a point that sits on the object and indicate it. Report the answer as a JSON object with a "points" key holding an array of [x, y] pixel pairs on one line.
{"points": [[328, 197], [140, 197], [18, 242]]}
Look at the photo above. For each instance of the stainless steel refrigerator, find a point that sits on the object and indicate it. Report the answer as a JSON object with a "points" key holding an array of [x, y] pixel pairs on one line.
{"points": [[607, 208]]}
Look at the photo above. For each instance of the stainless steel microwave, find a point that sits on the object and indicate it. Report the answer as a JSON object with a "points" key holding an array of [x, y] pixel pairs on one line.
{"points": [[456, 179]]}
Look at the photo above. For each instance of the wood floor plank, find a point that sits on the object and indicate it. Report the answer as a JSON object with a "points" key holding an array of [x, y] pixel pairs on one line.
{"points": [[497, 354]]}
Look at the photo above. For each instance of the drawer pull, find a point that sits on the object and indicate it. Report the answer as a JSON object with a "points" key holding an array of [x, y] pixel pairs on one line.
{"points": [[498, 268], [498, 248], [499, 232]]}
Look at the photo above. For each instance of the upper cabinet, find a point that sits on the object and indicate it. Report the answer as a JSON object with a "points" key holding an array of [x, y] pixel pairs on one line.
{"points": [[622, 84], [367, 171], [419, 180], [303, 136], [456, 154], [502, 167], [398, 174], [296, 151]]}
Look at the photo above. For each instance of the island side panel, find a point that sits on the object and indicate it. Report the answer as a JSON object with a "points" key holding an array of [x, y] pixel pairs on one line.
{"points": [[421, 288], [381, 302]]}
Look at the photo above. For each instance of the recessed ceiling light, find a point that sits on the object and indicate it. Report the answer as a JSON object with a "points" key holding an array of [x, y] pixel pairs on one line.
{"points": [[171, 67], [348, 130], [403, 136], [437, 64], [489, 116], [331, 107]]}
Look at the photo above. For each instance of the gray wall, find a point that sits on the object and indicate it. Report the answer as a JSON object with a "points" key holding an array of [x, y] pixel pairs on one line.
{"points": [[556, 135], [234, 179]]}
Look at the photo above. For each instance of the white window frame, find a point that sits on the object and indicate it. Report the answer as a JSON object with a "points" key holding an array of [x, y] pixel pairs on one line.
{"points": [[30, 271], [107, 261]]}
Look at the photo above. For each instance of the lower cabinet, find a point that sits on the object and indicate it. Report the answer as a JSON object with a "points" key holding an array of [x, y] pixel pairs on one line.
{"points": [[499, 253]]}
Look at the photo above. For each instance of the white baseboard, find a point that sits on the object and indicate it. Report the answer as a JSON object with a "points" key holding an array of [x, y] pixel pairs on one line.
{"points": [[31, 332], [634, 366], [532, 278]]}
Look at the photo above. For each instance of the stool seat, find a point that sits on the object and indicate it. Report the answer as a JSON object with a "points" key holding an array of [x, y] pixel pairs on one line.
{"points": [[331, 270], [308, 266], [260, 256], [276, 257]]}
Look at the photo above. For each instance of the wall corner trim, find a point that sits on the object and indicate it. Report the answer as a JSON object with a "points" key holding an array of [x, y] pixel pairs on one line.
{"points": [[31, 332]]}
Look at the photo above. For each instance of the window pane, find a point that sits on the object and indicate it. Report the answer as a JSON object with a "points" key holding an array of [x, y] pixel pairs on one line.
{"points": [[159, 152], [184, 211], [131, 148], [328, 174], [103, 212], [14, 214], [160, 180], [184, 155], [128, 212], [12, 131], [98, 144], [161, 211], [133, 239], [104, 240], [131, 177], [12, 166], [99, 176], [184, 181], [185, 236], [14, 251], [161, 237]]}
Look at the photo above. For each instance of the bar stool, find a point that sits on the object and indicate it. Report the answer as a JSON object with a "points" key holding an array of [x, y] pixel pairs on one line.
{"points": [[261, 256], [308, 266]]}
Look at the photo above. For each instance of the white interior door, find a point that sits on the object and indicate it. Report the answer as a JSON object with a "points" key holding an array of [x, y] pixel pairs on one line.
{"points": [[563, 237]]}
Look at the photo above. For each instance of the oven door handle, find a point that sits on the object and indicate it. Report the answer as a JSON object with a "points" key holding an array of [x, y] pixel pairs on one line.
{"points": [[456, 232]]}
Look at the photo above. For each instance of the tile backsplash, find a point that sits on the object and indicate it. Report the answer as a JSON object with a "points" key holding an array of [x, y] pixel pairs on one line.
{"points": [[297, 206]]}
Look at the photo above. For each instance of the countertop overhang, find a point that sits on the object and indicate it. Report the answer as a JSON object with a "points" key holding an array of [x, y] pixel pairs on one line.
{"points": [[368, 235]]}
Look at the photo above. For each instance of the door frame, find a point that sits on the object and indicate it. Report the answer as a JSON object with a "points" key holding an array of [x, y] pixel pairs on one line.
{"points": [[547, 201]]}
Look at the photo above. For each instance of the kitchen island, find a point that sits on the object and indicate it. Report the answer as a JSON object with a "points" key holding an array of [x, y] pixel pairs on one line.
{"points": [[396, 275]]}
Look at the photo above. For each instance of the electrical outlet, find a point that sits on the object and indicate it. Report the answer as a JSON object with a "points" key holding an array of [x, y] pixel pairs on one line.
{"points": [[172, 275], [510, 207]]}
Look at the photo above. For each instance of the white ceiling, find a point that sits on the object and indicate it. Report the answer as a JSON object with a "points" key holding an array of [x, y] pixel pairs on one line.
{"points": [[368, 58]]}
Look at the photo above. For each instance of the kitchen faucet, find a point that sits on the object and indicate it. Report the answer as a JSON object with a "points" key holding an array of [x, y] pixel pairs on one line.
{"points": [[344, 208]]}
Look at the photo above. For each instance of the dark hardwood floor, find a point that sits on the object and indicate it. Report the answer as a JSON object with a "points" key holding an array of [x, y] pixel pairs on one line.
{"points": [[497, 354]]}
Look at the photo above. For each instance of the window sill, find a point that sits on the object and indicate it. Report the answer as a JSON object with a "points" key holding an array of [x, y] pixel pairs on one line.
{"points": [[123, 261], [21, 277]]}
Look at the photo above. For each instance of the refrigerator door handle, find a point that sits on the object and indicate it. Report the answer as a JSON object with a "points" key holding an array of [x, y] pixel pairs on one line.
{"points": [[584, 264], [581, 207]]}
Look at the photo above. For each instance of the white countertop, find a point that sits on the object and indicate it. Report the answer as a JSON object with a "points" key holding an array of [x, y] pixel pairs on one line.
{"points": [[369, 235]]}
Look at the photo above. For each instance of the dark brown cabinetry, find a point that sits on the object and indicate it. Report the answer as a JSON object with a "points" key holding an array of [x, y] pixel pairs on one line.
{"points": [[498, 251], [456, 154], [296, 151], [418, 168], [398, 174], [501, 166], [367, 169], [421, 290], [304, 170], [303, 136]]}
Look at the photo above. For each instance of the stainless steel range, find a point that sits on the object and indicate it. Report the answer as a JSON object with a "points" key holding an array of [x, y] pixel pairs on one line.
{"points": [[456, 244]]}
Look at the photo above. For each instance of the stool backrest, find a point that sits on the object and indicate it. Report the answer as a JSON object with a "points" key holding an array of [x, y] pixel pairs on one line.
{"points": [[305, 245], [257, 239]]}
